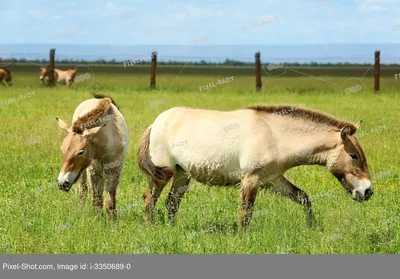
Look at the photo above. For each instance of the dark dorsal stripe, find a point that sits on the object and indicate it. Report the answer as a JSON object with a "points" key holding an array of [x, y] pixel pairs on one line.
{"points": [[305, 114]]}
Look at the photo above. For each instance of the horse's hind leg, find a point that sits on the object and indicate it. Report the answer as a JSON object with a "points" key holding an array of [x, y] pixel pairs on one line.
{"points": [[178, 189], [83, 187], [151, 197], [286, 188], [156, 185], [249, 189]]}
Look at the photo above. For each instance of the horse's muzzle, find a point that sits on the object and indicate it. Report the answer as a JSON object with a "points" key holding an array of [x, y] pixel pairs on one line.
{"points": [[360, 197], [66, 186]]}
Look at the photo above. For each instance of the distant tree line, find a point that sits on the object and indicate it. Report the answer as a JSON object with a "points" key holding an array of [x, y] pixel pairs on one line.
{"points": [[227, 62]]}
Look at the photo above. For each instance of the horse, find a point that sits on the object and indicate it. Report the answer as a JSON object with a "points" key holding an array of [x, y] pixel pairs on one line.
{"points": [[6, 76], [63, 77], [95, 147], [252, 147]]}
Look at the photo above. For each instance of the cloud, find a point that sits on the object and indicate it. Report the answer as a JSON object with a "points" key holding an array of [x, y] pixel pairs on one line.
{"points": [[198, 13], [377, 5], [35, 13], [241, 16], [177, 17], [110, 5]]}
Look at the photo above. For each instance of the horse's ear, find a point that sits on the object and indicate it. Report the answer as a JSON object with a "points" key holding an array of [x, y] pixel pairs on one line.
{"points": [[63, 125], [92, 131], [358, 124], [345, 132]]}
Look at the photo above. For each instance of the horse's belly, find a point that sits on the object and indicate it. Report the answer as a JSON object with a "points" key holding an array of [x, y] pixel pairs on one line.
{"points": [[212, 173]]}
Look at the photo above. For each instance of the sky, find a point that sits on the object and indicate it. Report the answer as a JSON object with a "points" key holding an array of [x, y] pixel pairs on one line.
{"points": [[209, 22]]}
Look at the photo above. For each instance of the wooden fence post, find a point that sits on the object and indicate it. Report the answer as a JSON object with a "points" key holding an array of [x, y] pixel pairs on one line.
{"points": [[258, 72], [153, 70], [51, 65], [377, 70]]}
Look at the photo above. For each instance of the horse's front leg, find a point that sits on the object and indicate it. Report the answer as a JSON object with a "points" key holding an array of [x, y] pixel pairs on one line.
{"points": [[110, 203], [286, 188], [82, 187], [249, 189], [97, 184]]}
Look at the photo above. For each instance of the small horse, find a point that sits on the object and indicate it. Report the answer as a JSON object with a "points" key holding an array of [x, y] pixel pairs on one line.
{"points": [[6, 76], [95, 146], [253, 147], [63, 77]]}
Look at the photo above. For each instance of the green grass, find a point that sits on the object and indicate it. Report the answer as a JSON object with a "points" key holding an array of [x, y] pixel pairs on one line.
{"points": [[36, 217]]}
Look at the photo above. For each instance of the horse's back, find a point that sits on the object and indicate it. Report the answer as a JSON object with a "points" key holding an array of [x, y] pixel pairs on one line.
{"points": [[207, 144]]}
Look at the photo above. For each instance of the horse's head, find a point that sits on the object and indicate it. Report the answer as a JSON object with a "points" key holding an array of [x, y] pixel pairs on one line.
{"points": [[44, 71], [348, 163], [77, 153]]}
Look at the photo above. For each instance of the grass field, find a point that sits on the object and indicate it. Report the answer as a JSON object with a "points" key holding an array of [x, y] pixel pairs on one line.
{"points": [[36, 217]]}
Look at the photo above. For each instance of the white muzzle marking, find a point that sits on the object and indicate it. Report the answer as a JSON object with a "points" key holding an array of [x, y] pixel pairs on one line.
{"points": [[68, 177], [361, 188]]}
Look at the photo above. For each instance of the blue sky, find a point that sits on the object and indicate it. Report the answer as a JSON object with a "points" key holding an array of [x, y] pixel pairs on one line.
{"points": [[200, 22]]}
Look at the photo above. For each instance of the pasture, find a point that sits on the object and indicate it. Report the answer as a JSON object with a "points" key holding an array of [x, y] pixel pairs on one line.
{"points": [[36, 217]]}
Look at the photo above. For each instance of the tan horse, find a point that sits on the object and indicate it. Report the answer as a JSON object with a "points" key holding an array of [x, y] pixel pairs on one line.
{"points": [[63, 77], [253, 147], [95, 146], [6, 76]]}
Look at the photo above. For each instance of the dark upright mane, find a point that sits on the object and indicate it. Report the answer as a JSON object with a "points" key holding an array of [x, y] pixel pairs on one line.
{"points": [[305, 114], [101, 96], [94, 118]]}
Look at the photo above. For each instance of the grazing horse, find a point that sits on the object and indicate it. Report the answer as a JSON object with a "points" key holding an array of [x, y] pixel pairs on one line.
{"points": [[95, 146], [253, 147], [63, 77], [6, 76]]}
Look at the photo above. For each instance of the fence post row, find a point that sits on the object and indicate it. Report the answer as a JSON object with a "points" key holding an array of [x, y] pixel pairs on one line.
{"points": [[258, 71], [153, 70], [52, 66], [377, 70]]}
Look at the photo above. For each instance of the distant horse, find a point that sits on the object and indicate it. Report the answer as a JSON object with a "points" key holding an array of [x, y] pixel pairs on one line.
{"points": [[6, 76], [63, 77], [253, 147], [95, 146]]}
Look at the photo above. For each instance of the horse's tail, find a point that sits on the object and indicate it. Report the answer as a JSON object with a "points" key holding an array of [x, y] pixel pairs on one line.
{"points": [[153, 172]]}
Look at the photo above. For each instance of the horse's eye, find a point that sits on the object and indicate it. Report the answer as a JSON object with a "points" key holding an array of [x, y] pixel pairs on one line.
{"points": [[354, 156], [80, 152]]}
